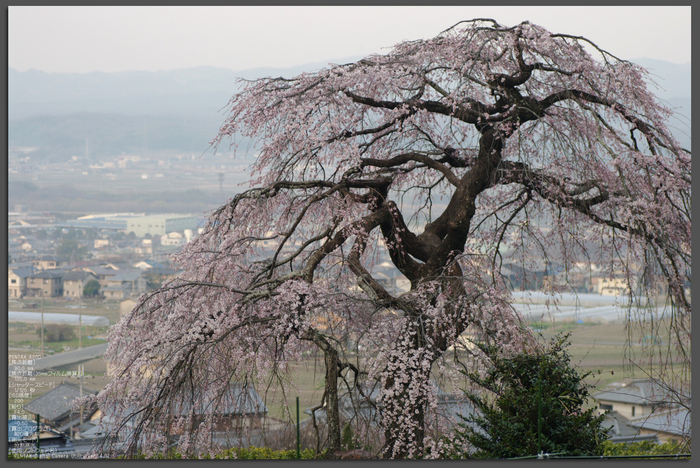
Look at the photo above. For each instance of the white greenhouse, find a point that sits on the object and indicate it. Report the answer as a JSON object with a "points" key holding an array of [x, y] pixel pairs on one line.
{"points": [[61, 319]]}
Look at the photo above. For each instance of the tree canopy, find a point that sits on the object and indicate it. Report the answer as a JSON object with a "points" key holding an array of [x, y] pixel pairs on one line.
{"points": [[91, 288], [439, 153]]}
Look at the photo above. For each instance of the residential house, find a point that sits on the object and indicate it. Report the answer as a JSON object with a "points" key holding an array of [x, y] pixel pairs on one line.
{"points": [[46, 283], [17, 279], [614, 286], [146, 247], [238, 412], [173, 239], [100, 428], [143, 264], [55, 407], [327, 322], [75, 280], [238, 408], [643, 410], [21, 435], [15, 248], [520, 278], [148, 264], [617, 281], [124, 284], [620, 430], [157, 276], [118, 265], [102, 243], [19, 222], [672, 424], [49, 262], [101, 272], [639, 398], [359, 407]]}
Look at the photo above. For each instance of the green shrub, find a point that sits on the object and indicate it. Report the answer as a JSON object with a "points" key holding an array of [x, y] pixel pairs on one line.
{"points": [[346, 438], [646, 447], [92, 288], [537, 406], [264, 453], [55, 332], [250, 453]]}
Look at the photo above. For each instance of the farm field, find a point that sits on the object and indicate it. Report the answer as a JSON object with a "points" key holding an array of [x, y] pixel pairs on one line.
{"points": [[594, 347]]}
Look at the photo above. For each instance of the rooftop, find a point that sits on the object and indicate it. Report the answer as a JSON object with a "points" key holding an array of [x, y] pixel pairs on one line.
{"points": [[643, 392], [57, 403]]}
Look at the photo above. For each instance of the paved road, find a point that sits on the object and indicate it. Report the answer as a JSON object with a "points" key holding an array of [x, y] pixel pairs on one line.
{"points": [[58, 360]]}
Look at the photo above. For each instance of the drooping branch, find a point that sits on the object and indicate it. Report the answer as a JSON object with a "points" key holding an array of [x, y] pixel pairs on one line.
{"points": [[552, 189]]}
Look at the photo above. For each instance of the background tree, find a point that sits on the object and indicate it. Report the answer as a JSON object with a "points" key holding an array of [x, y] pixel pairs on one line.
{"points": [[91, 288], [533, 404], [438, 153], [70, 248], [54, 332]]}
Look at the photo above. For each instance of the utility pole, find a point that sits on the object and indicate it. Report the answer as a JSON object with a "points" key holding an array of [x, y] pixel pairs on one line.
{"points": [[297, 428], [81, 371], [42, 324], [38, 436], [80, 320]]}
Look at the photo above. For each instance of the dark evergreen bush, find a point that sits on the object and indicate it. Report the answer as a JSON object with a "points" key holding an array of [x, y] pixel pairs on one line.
{"points": [[533, 405]]}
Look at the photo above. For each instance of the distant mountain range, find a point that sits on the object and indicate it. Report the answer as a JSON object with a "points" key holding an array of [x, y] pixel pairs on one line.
{"points": [[190, 91], [134, 111], [179, 109]]}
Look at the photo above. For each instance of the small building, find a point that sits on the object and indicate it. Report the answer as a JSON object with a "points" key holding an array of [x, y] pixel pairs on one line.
{"points": [[673, 424], [172, 239], [519, 278], [55, 407], [360, 407], [639, 398], [22, 435], [238, 411], [74, 282], [124, 284], [620, 430], [613, 286], [238, 408], [46, 283], [48, 262], [102, 243], [103, 273], [17, 281], [116, 292], [643, 410], [159, 225]]}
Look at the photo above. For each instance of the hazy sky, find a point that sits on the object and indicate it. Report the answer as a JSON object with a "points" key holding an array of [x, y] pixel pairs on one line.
{"points": [[95, 38]]}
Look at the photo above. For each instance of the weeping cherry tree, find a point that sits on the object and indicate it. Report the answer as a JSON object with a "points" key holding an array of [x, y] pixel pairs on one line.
{"points": [[440, 154]]}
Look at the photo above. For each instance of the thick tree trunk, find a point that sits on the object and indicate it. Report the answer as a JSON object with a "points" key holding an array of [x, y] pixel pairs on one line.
{"points": [[330, 357], [332, 413], [405, 439], [403, 413]]}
